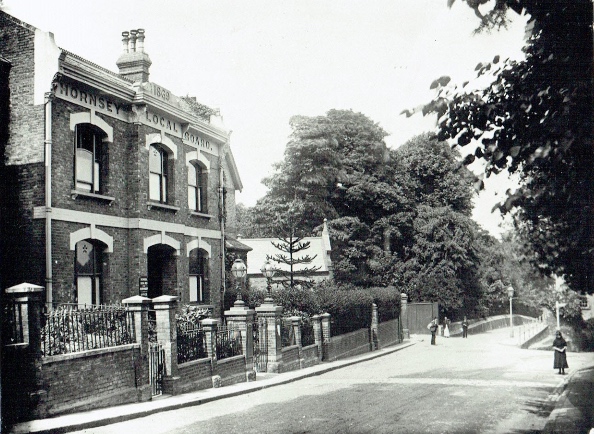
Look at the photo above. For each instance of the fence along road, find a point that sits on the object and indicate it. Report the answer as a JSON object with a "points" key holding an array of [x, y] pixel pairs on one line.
{"points": [[479, 384]]}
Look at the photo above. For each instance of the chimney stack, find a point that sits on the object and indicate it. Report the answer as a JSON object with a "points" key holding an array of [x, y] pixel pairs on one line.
{"points": [[134, 63]]}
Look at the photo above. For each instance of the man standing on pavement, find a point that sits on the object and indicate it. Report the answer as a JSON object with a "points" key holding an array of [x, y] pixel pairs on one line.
{"points": [[465, 327], [432, 326]]}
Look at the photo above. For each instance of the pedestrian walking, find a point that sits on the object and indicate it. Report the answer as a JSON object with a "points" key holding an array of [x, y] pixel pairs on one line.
{"points": [[465, 327], [432, 326], [446, 328], [560, 347]]}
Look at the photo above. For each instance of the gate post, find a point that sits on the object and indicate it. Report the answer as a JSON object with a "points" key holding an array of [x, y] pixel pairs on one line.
{"points": [[22, 384], [164, 307], [326, 336], [138, 307], [210, 327], [404, 314], [273, 313], [375, 342], [317, 328], [242, 318]]}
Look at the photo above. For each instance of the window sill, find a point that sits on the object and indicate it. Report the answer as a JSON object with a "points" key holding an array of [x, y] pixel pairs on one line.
{"points": [[158, 205], [200, 214], [74, 194]]}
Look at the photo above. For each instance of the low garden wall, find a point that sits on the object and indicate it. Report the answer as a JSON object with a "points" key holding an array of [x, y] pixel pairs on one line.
{"points": [[230, 371], [290, 359], [388, 332], [348, 344], [310, 356], [194, 375], [88, 379]]}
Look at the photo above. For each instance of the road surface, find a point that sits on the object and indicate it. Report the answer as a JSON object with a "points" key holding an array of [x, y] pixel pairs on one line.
{"points": [[482, 384]]}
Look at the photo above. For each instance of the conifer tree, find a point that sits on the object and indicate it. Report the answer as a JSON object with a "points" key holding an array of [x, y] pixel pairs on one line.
{"points": [[291, 246]]}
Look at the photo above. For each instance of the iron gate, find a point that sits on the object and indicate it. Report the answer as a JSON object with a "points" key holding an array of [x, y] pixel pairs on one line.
{"points": [[260, 344], [156, 368]]}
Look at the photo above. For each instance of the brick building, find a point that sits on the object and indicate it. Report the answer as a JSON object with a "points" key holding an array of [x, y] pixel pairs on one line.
{"points": [[112, 186]]}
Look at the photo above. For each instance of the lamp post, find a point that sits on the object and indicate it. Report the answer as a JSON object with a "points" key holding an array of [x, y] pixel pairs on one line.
{"points": [[268, 271], [510, 293], [239, 270]]}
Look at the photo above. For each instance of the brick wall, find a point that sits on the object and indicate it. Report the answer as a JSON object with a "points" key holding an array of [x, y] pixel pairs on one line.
{"points": [[310, 356], [88, 380], [22, 261], [290, 359], [194, 375], [388, 333], [231, 370], [349, 344], [17, 45]]}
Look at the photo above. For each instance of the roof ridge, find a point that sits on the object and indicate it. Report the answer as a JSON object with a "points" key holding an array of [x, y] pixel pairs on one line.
{"points": [[115, 74]]}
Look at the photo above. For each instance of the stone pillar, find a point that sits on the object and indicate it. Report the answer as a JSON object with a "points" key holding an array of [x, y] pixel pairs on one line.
{"points": [[317, 328], [23, 393], [326, 336], [404, 315], [272, 313], [375, 343], [27, 298], [210, 327], [138, 307], [296, 324], [165, 307], [241, 318]]}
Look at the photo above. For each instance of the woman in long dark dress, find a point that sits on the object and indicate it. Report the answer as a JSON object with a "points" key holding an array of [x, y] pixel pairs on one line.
{"points": [[560, 347]]}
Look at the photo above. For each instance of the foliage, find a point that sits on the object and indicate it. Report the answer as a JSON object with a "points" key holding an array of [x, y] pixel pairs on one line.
{"points": [[290, 246], [441, 263], [535, 118], [189, 317]]}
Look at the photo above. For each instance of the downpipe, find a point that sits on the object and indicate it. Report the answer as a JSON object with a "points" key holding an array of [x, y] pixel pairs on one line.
{"points": [[49, 96]]}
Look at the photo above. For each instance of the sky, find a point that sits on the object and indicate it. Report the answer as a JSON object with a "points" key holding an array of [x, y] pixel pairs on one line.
{"points": [[263, 61]]}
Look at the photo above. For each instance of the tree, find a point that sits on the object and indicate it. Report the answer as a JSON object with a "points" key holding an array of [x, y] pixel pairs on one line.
{"points": [[535, 118], [442, 261], [291, 246]]}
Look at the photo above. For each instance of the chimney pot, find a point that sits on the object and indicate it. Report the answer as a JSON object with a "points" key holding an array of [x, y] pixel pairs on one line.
{"points": [[125, 36], [140, 41], [132, 48]]}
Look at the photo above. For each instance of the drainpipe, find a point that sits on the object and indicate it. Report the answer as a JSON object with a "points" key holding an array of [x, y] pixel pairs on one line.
{"points": [[222, 224], [49, 96]]}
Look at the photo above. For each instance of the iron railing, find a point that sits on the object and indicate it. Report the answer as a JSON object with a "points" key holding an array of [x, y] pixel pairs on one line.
{"points": [[228, 343], [307, 334], [70, 328], [152, 326], [191, 343], [287, 333]]}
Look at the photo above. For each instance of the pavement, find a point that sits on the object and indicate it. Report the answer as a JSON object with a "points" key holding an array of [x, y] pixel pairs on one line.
{"points": [[572, 400]]}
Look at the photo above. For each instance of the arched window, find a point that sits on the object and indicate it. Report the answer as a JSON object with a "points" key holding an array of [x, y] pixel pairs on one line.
{"points": [[88, 268], [196, 188], [89, 163], [199, 291], [158, 180]]}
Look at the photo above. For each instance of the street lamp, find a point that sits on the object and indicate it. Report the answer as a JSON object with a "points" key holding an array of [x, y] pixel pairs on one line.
{"points": [[239, 270], [510, 293], [268, 271]]}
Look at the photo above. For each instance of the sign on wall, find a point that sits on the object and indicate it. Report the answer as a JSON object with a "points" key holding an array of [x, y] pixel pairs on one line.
{"points": [[143, 286]]}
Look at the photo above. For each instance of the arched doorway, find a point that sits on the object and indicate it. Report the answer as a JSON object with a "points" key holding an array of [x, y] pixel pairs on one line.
{"points": [[161, 270]]}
